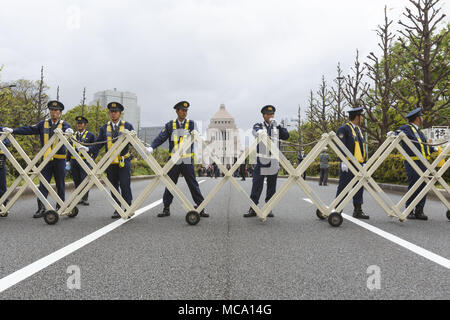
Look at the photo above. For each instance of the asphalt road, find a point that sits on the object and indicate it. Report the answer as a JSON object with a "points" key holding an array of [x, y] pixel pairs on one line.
{"points": [[291, 256]]}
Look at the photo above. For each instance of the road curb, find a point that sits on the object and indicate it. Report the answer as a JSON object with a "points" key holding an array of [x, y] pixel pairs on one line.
{"points": [[392, 188]]}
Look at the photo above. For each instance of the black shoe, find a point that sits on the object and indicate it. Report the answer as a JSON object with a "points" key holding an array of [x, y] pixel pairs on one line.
{"points": [[270, 215], [325, 184], [38, 214], [320, 184], [358, 213], [203, 214], [84, 202], [251, 213], [115, 215], [40, 211], [420, 215], [165, 213], [411, 216]]}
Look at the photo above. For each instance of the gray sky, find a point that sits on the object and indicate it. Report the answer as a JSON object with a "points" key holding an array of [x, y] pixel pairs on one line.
{"points": [[243, 53]]}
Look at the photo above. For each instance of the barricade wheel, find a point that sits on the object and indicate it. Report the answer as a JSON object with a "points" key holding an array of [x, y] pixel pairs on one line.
{"points": [[335, 219], [448, 214], [5, 214], [51, 217], [320, 215], [74, 213], [192, 218]]}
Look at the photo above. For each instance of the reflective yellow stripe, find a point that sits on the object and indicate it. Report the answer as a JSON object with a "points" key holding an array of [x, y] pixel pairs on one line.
{"points": [[422, 147], [83, 137], [110, 143], [179, 143], [357, 152], [46, 138]]}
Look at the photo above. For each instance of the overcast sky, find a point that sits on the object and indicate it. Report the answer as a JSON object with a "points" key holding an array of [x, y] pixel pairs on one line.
{"points": [[243, 53]]}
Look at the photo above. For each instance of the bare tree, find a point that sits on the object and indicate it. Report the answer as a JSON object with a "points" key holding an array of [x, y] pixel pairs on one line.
{"points": [[323, 107], [338, 104], [355, 88], [83, 102], [431, 57], [57, 94], [381, 100], [40, 105]]}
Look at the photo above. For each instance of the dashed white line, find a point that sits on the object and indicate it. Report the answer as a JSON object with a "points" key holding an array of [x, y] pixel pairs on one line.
{"points": [[26, 272], [399, 241]]}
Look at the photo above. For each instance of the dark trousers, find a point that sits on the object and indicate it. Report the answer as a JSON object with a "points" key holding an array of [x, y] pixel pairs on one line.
{"points": [[56, 168], [413, 176], [78, 175], [323, 176], [187, 170], [242, 171], [121, 178], [344, 180], [3, 180], [258, 184]]}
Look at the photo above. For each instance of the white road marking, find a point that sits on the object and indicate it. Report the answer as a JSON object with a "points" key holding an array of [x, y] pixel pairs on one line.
{"points": [[403, 243], [26, 272]]}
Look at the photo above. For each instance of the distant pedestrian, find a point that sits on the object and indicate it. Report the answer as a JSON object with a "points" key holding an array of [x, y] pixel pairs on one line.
{"points": [[324, 167], [300, 157]]}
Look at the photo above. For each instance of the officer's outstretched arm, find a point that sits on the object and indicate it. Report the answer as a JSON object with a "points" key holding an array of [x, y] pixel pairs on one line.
{"points": [[162, 137], [27, 130]]}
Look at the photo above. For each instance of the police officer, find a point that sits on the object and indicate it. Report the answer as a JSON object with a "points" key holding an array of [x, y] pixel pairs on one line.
{"points": [[266, 167], [352, 137], [56, 166], [7, 143], [176, 131], [413, 132], [119, 172], [78, 174]]}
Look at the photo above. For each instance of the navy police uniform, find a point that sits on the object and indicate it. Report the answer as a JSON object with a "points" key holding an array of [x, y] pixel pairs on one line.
{"points": [[352, 137], [119, 172], [7, 143], [414, 133], [56, 166], [78, 173], [258, 177], [176, 132]]}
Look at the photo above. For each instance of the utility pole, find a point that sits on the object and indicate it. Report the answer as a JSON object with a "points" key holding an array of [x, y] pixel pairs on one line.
{"points": [[83, 101], [299, 128]]}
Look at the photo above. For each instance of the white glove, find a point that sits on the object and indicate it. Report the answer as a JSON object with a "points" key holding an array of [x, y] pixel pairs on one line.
{"points": [[260, 132], [84, 148], [6, 129], [435, 149], [274, 122], [390, 133], [149, 150], [69, 131], [344, 168]]}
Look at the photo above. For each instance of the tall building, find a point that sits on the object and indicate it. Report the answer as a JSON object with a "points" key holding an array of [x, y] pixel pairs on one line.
{"points": [[132, 112], [148, 134], [222, 136]]}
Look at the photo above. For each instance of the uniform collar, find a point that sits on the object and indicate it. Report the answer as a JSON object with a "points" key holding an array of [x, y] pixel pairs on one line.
{"points": [[81, 134], [115, 124], [181, 123]]}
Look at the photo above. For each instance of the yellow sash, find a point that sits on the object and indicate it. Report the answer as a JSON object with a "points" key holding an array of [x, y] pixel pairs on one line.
{"points": [[82, 138], [361, 158], [178, 144], [110, 143], [422, 147], [46, 138]]}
